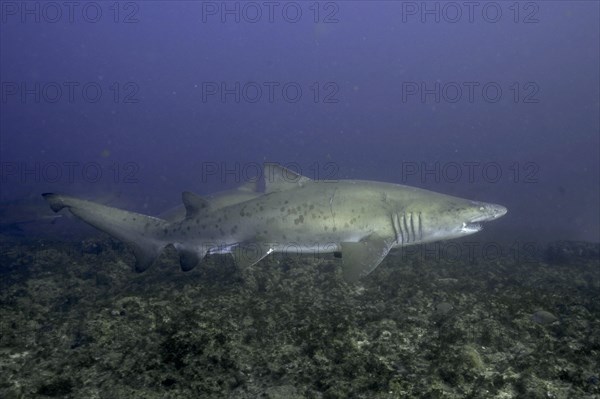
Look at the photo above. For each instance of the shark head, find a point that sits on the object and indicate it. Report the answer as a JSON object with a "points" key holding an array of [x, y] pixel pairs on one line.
{"points": [[478, 212], [457, 219]]}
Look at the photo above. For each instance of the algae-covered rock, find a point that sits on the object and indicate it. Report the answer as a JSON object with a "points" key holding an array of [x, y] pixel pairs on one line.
{"points": [[75, 322], [571, 251]]}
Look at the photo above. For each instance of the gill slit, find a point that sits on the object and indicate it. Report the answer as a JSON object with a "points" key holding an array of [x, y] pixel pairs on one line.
{"points": [[412, 227], [406, 227], [397, 229]]}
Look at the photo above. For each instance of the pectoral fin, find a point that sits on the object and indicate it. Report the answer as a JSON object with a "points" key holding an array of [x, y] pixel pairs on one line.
{"points": [[361, 258]]}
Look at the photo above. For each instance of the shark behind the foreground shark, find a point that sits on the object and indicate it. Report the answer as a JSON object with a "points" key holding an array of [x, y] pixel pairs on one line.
{"points": [[363, 220]]}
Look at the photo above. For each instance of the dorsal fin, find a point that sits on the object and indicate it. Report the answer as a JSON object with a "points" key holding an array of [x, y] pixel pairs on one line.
{"points": [[278, 178], [250, 186], [194, 204]]}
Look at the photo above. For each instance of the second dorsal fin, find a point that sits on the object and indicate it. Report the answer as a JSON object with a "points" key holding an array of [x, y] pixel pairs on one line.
{"points": [[194, 204]]}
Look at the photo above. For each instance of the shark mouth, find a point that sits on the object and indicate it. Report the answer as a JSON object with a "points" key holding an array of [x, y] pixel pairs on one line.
{"points": [[470, 227]]}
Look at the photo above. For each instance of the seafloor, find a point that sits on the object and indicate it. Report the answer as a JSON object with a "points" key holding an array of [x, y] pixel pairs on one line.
{"points": [[76, 322]]}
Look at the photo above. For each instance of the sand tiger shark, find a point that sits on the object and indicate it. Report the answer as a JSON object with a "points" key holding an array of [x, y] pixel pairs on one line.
{"points": [[361, 220]]}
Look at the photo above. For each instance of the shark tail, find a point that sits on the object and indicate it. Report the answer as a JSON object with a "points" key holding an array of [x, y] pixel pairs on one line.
{"points": [[140, 231]]}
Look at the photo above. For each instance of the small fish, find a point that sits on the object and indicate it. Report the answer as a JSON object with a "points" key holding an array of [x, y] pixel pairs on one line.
{"points": [[543, 317]]}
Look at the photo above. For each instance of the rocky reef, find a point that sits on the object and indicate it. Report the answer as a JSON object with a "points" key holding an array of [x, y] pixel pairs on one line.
{"points": [[77, 322]]}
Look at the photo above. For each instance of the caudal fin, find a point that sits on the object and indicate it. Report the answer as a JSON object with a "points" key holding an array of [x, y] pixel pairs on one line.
{"points": [[139, 230]]}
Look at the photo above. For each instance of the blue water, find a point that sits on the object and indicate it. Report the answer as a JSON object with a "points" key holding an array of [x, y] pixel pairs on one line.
{"points": [[138, 101]]}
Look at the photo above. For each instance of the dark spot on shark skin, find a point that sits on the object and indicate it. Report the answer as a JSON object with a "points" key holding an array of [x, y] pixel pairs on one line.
{"points": [[165, 231], [286, 202], [262, 208], [122, 220], [188, 228], [326, 228], [282, 209], [334, 229], [284, 237], [197, 221], [311, 207], [219, 220], [216, 226], [346, 225], [134, 219]]}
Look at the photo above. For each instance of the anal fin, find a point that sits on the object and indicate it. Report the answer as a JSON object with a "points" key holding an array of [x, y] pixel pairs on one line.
{"points": [[188, 259]]}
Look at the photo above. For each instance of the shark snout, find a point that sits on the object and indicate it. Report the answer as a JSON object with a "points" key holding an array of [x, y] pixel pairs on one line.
{"points": [[490, 212]]}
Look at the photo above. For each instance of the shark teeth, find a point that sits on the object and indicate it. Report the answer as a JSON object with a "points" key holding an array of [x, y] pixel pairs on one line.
{"points": [[470, 227]]}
